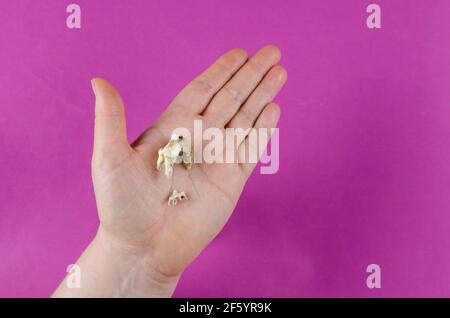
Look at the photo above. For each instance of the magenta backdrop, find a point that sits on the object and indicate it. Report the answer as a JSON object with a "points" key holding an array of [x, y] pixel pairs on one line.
{"points": [[364, 158]]}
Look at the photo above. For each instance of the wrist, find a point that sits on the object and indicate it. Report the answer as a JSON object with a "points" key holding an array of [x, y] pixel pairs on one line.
{"points": [[134, 270], [109, 268]]}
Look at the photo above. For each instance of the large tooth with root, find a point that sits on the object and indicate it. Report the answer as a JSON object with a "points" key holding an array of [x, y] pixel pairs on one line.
{"points": [[177, 150]]}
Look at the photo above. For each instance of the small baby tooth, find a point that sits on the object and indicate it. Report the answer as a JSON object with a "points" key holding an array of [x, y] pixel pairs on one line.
{"points": [[177, 196]]}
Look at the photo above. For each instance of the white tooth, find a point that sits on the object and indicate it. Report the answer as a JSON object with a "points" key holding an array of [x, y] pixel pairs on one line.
{"points": [[177, 196], [170, 154]]}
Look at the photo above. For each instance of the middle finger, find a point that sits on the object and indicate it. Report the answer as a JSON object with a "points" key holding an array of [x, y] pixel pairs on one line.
{"points": [[228, 100]]}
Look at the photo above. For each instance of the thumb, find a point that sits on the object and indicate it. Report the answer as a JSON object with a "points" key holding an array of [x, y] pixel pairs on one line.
{"points": [[110, 133]]}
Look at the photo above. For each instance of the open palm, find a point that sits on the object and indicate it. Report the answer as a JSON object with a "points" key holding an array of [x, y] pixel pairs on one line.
{"points": [[132, 195]]}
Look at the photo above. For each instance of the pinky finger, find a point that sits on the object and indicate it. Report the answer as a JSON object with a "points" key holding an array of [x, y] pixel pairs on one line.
{"points": [[252, 148]]}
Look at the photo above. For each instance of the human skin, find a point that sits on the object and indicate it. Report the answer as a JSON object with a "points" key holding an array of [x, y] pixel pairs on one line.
{"points": [[143, 245]]}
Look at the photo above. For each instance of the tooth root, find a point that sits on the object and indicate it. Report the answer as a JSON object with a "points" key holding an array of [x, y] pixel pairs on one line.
{"points": [[160, 159]]}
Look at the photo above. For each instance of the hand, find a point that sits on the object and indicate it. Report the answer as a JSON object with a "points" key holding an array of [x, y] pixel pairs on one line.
{"points": [[132, 195]]}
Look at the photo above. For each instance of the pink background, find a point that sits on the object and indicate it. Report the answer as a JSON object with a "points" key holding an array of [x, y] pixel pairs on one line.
{"points": [[365, 151]]}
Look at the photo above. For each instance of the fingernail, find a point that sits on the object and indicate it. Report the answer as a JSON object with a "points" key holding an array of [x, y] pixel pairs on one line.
{"points": [[93, 85]]}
